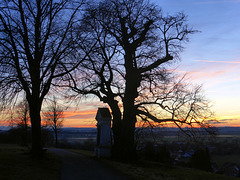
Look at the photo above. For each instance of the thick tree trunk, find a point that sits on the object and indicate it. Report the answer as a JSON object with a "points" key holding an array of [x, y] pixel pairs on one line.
{"points": [[124, 138], [123, 130], [35, 117], [128, 149]]}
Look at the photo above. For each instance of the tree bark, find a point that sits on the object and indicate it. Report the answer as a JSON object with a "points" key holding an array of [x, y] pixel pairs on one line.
{"points": [[35, 109], [128, 149]]}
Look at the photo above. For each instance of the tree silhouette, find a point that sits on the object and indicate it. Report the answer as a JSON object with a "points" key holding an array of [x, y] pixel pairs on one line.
{"points": [[54, 118], [201, 160], [36, 47], [21, 120], [126, 69]]}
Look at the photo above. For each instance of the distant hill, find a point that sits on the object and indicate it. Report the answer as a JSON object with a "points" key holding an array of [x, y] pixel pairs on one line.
{"points": [[4, 128], [77, 133], [76, 130], [165, 131], [228, 130]]}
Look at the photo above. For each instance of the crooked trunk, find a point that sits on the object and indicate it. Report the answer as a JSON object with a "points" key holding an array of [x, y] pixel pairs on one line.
{"points": [[116, 127], [123, 130], [124, 137]]}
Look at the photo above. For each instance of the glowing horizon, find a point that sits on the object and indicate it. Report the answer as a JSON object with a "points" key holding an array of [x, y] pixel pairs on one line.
{"points": [[86, 119], [78, 119]]}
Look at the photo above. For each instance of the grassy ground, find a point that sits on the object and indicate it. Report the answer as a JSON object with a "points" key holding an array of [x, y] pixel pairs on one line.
{"points": [[155, 171], [16, 163], [222, 159]]}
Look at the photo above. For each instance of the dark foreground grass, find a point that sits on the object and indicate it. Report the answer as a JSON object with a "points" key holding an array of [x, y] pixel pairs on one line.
{"points": [[17, 163], [144, 170], [156, 171], [222, 159]]}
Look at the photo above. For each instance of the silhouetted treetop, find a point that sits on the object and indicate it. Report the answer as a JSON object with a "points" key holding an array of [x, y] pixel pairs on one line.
{"points": [[134, 40], [36, 47]]}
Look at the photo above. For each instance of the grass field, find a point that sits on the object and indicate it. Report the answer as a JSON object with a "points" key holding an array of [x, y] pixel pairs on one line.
{"points": [[144, 170], [221, 160], [16, 163], [156, 171]]}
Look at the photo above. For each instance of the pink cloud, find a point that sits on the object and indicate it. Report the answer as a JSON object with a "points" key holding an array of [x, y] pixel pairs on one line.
{"points": [[194, 75], [228, 62], [204, 70], [203, 74]]}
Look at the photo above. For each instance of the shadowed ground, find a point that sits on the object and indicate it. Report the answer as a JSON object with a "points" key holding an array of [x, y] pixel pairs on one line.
{"points": [[79, 167]]}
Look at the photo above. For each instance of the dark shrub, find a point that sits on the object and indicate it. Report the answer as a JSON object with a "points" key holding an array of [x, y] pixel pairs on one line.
{"points": [[164, 155], [201, 160]]}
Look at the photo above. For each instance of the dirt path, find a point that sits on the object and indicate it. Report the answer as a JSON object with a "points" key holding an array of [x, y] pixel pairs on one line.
{"points": [[79, 167]]}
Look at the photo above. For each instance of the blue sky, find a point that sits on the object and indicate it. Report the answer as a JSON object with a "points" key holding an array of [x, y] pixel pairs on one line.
{"points": [[212, 57]]}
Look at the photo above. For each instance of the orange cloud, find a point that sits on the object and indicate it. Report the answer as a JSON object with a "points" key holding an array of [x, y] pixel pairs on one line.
{"points": [[85, 118], [233, 121], [4, 123]]}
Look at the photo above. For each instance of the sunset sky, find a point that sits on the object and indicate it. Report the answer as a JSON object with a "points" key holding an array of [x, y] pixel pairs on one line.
{"points": [[211, 58]]}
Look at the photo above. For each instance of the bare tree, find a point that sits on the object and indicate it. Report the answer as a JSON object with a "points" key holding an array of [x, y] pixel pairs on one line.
{"points": [[20, 119], [53, 117], [175, 102], [36, 45], [135, 41]]}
